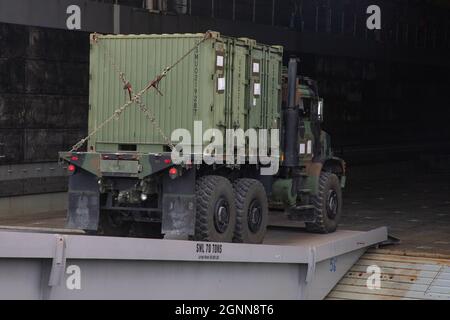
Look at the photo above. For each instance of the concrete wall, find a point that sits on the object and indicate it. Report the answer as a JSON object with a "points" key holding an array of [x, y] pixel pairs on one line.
{"points": [[30, 205], [376, 91], [44, 79]]}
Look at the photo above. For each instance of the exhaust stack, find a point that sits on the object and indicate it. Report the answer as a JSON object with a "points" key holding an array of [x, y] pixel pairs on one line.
{"points": [[291, 119]]}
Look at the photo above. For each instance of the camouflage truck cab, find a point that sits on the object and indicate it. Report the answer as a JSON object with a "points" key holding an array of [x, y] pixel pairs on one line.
{"points": [[310, 188]]}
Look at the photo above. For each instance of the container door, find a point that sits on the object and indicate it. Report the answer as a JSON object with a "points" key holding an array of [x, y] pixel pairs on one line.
{"points": [[273, 82], [256, 89], [221, 85], [237, 94]]}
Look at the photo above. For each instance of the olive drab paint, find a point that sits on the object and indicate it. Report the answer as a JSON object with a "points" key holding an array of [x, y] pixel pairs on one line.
{"points": [[146, 88], [225, 83]]}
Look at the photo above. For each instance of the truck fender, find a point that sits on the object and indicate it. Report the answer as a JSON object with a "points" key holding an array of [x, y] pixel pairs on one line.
{"points": [[178, 204], [83, 206], [338, 167]]}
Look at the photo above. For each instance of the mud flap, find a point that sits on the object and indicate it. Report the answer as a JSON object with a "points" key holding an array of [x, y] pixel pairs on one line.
{"points": [[178, 215], [178, 204], [84, 202]]}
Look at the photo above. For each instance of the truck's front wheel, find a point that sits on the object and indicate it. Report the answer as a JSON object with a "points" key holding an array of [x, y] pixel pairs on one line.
{"points": [[328, 205], [216, 211]]}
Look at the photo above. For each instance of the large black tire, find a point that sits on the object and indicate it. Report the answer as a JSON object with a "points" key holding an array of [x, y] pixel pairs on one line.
{"points": [[252, 211], [216, 211], [328, 205]]}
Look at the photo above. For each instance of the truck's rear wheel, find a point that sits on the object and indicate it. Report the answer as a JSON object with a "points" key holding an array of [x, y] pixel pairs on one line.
{"points": [[252, 211], [328, 205], [216, 211]]}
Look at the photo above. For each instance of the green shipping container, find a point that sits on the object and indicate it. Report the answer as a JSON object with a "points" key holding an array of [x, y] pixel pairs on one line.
{"points": [[225, 83]]}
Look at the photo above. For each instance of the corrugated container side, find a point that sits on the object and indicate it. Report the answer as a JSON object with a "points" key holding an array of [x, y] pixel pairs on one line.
{"points": [[190, 91]]}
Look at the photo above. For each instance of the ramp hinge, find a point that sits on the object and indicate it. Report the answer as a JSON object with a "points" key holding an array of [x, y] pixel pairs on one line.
{"points": [[311, 265], [58, 263]]}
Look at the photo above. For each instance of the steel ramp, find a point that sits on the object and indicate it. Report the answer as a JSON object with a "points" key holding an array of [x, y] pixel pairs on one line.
{"points": [[290, 265]]}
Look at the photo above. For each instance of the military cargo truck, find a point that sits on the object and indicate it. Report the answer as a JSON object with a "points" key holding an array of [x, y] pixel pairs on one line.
{"points": [[125, 181]]}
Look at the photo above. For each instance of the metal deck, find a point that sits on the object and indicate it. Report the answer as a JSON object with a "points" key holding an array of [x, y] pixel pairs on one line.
{"points": [[290, 265]]}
